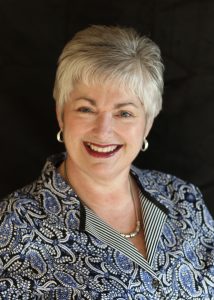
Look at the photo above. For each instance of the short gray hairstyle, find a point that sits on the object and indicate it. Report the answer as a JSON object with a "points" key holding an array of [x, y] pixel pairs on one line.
{"points": [[115, 55]]}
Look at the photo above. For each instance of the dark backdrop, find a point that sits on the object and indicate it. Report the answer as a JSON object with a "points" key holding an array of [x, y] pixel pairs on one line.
{"points": [[32, 34]]}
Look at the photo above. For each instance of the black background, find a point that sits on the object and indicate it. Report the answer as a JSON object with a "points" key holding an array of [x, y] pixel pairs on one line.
{"points": [[32, 35]]}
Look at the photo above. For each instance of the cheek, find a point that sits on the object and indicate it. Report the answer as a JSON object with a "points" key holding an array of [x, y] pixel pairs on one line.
{"points": [[137, 130], [75, 132], [138, 135], [72, 124]]}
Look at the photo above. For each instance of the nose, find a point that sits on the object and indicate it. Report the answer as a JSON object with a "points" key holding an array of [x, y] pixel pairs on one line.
{"points": [[103, 124]]}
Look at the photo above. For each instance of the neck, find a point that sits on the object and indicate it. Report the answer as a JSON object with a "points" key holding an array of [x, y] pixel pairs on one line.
{"points": [[111, 201], [94, 190]]}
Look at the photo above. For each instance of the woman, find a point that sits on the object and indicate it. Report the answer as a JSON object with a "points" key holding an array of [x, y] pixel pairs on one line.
{"points": [[93, 226]]}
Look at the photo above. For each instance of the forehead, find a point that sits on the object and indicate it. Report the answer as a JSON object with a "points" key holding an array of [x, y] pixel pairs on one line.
{"points": [[98, 92]]}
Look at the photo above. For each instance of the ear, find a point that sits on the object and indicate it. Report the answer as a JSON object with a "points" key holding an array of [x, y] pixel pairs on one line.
{"points": [[59, 115]]}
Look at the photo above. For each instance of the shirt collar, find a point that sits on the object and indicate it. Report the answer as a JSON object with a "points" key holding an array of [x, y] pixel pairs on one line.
{"points": [[150, 185], [146, 180]]}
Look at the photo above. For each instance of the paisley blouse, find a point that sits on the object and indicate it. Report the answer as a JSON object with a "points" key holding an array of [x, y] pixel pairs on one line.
{"points": [[53, 247]]}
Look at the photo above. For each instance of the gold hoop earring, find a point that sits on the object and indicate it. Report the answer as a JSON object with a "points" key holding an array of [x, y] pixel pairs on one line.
{"points": [[59, 136], [145, 145]]}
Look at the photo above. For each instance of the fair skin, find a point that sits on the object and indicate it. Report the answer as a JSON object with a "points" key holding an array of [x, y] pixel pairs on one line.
{"points": [[103, 130]]}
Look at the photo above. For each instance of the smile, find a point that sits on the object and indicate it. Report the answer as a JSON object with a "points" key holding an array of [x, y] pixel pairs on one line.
{"points": [[101, 150]]}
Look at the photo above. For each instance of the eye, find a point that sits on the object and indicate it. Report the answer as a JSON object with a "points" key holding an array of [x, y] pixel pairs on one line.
{"points": [[125, 114], [85, 109]]}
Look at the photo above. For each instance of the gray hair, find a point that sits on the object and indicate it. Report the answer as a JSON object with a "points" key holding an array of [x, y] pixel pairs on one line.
{"points": [[115, 55]]}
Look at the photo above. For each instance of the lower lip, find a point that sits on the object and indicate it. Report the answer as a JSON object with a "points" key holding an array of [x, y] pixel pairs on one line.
{"points": [[101, 154]]}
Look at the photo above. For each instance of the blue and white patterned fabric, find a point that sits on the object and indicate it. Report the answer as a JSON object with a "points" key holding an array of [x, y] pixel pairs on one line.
{"points": [[53, 247]]}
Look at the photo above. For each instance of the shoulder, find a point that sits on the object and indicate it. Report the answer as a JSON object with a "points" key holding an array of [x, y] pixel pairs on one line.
{"points": [[168, 189], [40, 193], [181, 198], [15, 206], [18, 196], [31, 212], [17, 214], [163, 182], [39, 201]]}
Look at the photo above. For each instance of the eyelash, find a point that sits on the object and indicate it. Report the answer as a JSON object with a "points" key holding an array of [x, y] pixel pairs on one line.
{"points": [[125, 114], [85, 110], [121, 114]]}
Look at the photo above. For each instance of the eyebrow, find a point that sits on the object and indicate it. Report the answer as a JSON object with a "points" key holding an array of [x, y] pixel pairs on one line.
{"points": [[118, 105]]}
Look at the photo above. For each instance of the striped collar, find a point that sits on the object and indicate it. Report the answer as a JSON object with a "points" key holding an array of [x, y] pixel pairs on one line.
{"points": [[154, 217], [152, 185]]}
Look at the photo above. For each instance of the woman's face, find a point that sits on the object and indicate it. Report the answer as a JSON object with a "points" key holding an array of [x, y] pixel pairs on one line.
{"points": [[103, 129]]}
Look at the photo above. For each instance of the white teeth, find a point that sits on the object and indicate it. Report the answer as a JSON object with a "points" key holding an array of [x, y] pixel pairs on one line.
{"points": [[102, 149]]}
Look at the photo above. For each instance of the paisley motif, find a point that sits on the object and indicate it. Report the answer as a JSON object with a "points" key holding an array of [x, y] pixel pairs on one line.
{"points": [[169, 236], [208, 221], [148, 281], [46, 251], [187, 280], [37, 262], [59, 183], [65, 279], [98, 243], [51, 203], [72, 220], [123, 262], [6, 231], [191, 255]]}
